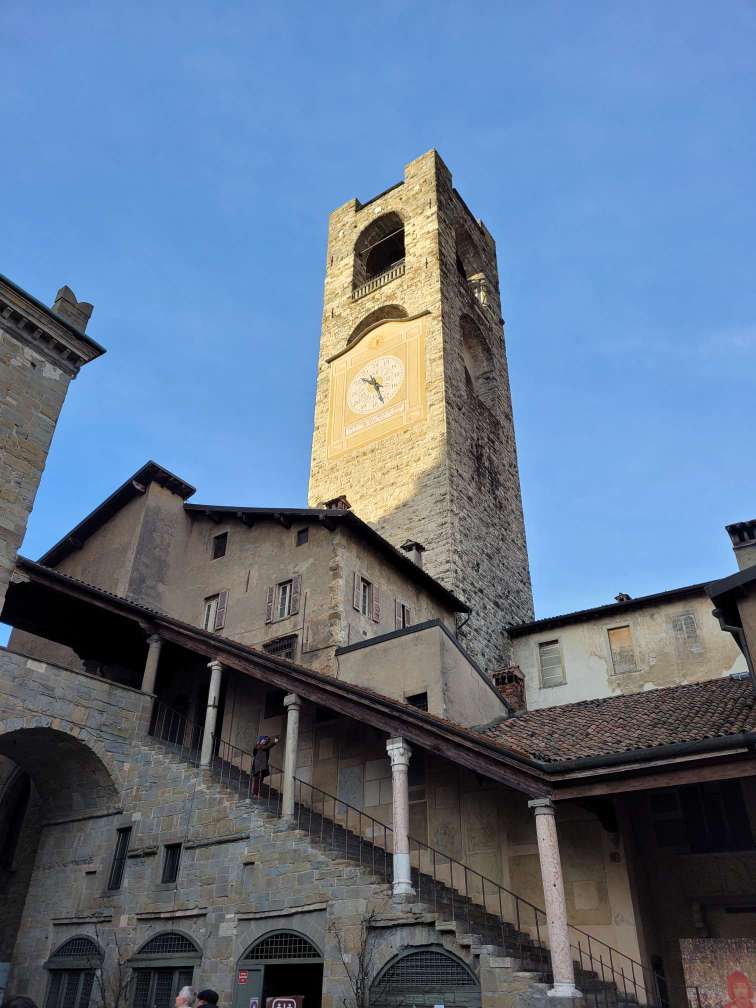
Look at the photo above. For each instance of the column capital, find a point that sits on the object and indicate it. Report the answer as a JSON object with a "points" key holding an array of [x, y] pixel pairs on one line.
{"points": [[399, 751], [292, 700], [216, 665], [154, 638], [542, 806]]}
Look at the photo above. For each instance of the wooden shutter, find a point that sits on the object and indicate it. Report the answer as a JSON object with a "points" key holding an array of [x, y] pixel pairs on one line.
{"points": [[408, 611], [550, 656], [376, 604], [356, 592], [269, 600], [397, 614], [220, 612], [296, 591]]}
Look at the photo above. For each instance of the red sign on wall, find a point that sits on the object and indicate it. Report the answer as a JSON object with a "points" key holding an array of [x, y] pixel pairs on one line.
{"points": [[243, 976]]}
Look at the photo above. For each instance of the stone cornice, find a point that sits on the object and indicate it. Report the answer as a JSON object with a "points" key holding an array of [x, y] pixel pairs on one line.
{"points": [[23, 318]]}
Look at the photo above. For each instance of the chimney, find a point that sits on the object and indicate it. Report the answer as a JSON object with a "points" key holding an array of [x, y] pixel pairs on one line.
{"points": [[76, 312], [622, 597], [743, 538], [414, 550], [510, 682], [339, 503]]}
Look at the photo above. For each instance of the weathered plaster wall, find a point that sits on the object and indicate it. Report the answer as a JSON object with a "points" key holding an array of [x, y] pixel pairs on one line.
{"points": [[661, 658], [424, 661]]}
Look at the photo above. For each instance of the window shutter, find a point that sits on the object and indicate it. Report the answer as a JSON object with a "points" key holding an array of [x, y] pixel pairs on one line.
{"points": [[552, 672], [397, 614], [376, 604], [296, 591], [269, 604], [356, 592], [220, 612], [409, 614]]}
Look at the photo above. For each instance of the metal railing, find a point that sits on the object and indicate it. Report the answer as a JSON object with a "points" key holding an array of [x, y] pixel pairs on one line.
{"points": [[454, 891], [394, 271]]}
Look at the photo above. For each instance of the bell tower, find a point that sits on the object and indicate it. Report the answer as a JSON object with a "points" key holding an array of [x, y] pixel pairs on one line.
{"points": [[413, 415]]}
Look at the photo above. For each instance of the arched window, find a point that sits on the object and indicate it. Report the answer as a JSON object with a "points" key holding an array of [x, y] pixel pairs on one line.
{"points": [[382, 314], [379, 249], [162, 966], [72, 970], [278, 963], [281, 945], [479, 367], [426, 976]]}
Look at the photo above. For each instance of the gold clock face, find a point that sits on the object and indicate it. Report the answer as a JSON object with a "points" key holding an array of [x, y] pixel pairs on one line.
{"points": [[375, 384]]}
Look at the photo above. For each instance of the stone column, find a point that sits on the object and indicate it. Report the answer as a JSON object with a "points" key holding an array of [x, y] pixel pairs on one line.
{"points": [[293, 705], [553, 894], [208, 733], [155, 642], [399, 754]]}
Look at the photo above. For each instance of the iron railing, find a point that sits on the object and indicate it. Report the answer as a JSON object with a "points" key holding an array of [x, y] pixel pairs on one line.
{"points": [[394, 271], [455, 892]]}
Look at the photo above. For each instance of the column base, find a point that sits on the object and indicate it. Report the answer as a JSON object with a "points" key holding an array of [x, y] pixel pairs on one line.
{"points": [[402, 889], [564, 990]]}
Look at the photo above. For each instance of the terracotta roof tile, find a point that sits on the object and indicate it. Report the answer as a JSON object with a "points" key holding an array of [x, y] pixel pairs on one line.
{"points": [[620, 724]]}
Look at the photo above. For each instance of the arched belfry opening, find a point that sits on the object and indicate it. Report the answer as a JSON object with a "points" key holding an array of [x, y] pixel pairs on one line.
{"points": [[379, 248], [425, 977], [383, 314], [280, 964]]}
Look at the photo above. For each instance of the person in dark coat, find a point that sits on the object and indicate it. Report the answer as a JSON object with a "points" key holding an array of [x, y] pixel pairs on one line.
{"points": [[261, 761]]}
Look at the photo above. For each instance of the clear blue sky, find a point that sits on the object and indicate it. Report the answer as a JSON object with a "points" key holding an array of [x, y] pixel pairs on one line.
{"points": [[175, 164]]}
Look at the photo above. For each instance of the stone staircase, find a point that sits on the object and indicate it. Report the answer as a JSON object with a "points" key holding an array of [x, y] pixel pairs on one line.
{"points": [[333, 853]]}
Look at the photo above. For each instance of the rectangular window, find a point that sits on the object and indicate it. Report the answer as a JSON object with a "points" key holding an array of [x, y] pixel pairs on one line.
{"points": [[403, 615], [302, 536], [219, 545], [685, 631], [171, 862], [282, 647], [419, 700], [550, 658], [366, 597], [123, 836], [215, 612], [621, 647], [284, 599]]}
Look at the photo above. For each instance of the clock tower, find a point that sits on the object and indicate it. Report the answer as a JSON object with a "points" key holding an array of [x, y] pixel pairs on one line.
{"points": [[413, 415]]}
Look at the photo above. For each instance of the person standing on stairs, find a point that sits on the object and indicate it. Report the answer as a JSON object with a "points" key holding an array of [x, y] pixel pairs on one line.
{"points": [[261, 761]]}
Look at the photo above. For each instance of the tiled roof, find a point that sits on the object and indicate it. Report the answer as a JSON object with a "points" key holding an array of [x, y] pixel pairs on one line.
{"points": [[638, 721]]}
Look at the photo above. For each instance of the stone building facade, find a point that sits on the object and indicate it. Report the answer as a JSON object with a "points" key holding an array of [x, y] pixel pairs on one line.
{"points": [[447, 476]]}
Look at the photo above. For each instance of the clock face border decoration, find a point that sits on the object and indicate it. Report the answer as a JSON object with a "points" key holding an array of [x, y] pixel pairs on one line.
{"points": [[377, 387]]}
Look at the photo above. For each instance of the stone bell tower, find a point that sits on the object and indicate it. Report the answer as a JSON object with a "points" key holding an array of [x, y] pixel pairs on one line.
{"points": [[413, 416]]}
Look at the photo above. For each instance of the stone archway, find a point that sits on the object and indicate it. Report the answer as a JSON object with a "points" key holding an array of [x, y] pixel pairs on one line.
{"points": [[421, 977]]}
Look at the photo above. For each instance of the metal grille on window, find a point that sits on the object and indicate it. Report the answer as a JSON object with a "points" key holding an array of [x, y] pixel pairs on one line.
{"points": [[284, 945], [282, 647], [425, 969], [74, 948], [168, 943]]}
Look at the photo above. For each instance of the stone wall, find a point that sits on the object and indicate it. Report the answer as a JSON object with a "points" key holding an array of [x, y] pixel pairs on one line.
{"points": [[450, 481]]}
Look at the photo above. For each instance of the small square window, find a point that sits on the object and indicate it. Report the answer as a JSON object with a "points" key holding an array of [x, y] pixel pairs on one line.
{"points": [[219, 545], [419, 700], [171, 862], [303, 536]]}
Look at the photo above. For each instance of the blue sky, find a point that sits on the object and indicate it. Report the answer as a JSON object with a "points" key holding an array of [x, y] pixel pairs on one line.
{"points": [[175, 164]]}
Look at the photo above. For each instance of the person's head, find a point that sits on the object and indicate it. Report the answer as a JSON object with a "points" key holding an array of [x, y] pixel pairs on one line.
{"points": [[20, 1001], [208, 997], [739, 988], [186, 997]]}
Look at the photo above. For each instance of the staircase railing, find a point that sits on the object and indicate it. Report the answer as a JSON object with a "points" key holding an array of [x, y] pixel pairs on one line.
{"points": [[455, 891]]}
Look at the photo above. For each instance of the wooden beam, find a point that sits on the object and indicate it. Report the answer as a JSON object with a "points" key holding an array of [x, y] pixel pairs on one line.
{"points": [[661, 777]]}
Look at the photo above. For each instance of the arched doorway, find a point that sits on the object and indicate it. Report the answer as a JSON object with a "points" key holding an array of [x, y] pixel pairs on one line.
{"points": [[278, 964], [162, 966], [424, 977], [72, 969]]}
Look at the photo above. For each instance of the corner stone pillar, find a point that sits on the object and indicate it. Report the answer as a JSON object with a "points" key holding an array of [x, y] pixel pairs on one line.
{"points": [[208, 733], [553, 894], [155, 642], [399, 753], [293, 705]]}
